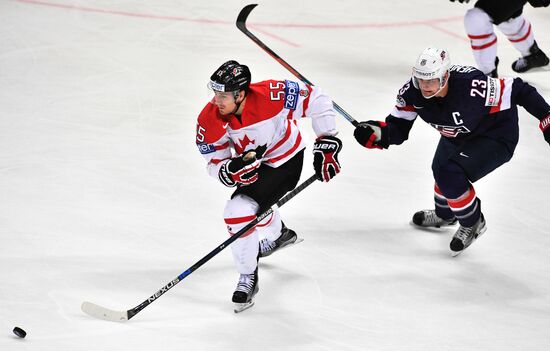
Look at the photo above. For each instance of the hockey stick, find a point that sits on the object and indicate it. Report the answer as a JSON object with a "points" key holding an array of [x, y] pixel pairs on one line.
{"points": [[120, 316], [241, 24]]}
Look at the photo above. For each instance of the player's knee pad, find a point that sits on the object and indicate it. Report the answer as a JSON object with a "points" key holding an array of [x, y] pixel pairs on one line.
{"points": [[238, 212], [477, 22], [514, 26]]}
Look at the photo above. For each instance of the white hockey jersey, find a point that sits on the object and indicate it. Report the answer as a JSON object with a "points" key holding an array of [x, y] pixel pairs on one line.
{"points": [[269, 118]]}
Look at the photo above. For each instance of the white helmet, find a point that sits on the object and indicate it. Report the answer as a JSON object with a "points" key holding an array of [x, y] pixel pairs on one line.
{"points": [[432, 63]]}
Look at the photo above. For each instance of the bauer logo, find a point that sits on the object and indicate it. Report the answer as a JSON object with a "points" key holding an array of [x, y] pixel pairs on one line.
{"points": [[262, 216], [292, 91], [205, 148]]}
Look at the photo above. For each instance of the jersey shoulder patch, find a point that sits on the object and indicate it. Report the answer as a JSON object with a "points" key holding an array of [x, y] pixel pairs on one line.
{"points": [[499, 94], [292, 93], [493, 91]]}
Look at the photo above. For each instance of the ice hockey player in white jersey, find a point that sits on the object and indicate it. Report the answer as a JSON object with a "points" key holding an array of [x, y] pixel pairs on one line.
{"points": [[477, 117], [508, 17], [249, 137]]}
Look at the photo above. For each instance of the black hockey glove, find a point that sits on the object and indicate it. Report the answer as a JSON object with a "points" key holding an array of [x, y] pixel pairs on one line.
{"points": [[242, 169], [461, 1], [539, 3], [372, 134], [545, 127], [325, 157]]}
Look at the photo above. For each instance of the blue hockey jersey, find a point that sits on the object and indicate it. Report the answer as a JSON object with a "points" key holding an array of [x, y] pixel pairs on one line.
{"points": [[475, 105]]}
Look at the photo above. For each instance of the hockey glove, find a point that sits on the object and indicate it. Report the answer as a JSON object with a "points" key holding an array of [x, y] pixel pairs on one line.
{"points": [[545, 127], [242, 169], [325, 157], [372, 134]]}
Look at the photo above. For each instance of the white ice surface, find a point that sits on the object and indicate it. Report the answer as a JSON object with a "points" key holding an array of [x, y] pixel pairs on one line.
{"points": [[104, 197]]}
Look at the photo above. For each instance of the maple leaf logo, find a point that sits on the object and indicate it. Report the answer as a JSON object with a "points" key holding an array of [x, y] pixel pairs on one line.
{"points": [[243, 143]]}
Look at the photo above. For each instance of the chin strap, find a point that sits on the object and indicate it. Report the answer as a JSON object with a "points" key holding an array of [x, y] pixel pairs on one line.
{"points": [[438, 90], [441, 86], [237, 104]]}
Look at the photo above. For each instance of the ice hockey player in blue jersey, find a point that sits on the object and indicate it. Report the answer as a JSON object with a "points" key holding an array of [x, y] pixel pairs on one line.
{"points": [[477, 117]]}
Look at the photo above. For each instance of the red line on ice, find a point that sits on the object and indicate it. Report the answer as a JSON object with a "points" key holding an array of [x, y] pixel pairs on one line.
{"points": [[431, 23]]}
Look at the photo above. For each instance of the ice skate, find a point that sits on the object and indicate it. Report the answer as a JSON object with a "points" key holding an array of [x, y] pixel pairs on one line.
{"points": [[465, 236], [536, 59], [288, 237], [428, 219], [243, 297]]}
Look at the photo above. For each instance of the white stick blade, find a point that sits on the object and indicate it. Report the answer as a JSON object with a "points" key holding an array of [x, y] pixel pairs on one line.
{"points": [[100, 312]]}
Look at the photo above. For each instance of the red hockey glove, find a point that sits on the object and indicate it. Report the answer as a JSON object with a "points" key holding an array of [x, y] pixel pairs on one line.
{"points": [[242, 169], [545, 127], [325, 157], [372, 134]]}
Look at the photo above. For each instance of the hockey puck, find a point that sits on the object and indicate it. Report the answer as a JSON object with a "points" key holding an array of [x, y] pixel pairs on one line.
{"points": [[19, 332]]}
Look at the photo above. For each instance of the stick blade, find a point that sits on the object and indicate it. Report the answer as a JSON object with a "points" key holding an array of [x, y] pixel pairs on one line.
{"points": [[243, 15], [100, 312]]}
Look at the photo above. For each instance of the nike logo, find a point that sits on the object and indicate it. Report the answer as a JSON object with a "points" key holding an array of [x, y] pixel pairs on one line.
{"points": [[463, 155], [418, 107]]}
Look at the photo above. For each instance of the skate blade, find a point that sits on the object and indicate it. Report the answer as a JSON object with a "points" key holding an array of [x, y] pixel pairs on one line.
{"points": [[441, 229], [456, 253], [299, 240], [537, 69], [239, 307]]}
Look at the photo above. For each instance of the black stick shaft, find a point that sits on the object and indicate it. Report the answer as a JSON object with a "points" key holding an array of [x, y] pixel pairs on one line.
{"points": [[241, 24], [249, 226]]}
